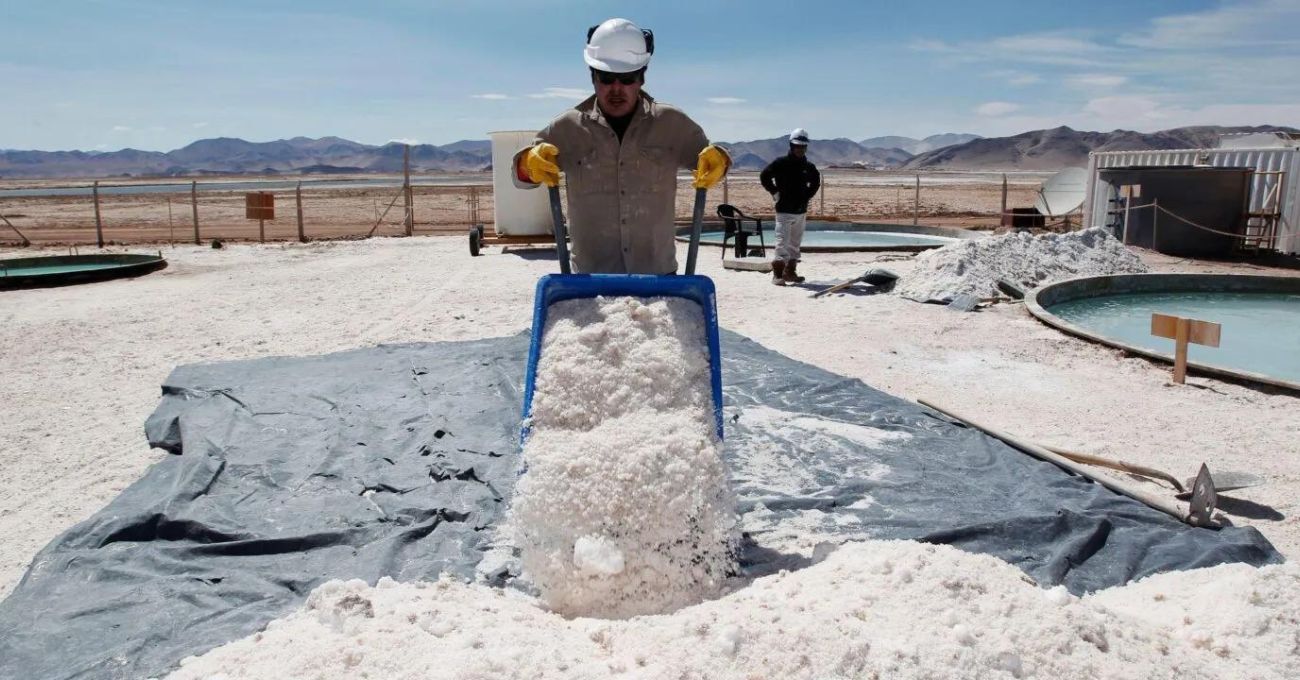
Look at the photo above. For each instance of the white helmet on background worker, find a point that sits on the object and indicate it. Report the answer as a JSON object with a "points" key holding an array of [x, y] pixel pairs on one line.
{"points": [[618, 46], [799, 137]]}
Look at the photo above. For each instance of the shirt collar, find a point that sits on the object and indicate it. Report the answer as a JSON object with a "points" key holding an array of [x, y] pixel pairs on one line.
{"points": [[591, 109]]}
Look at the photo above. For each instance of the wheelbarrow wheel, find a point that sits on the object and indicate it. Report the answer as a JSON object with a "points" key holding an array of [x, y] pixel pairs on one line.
{"points": [[475, 241]]}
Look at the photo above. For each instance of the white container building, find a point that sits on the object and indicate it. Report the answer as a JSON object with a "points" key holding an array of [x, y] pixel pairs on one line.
{"points": [[1274, 188]]}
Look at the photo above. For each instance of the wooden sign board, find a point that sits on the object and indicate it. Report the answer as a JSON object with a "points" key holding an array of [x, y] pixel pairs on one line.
{"points": [[259, 205], [1183, 331]]}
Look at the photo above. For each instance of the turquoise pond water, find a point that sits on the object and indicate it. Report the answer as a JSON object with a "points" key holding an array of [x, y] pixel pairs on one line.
{"points": [[1261, 331], [56, 269], [827, 238]]}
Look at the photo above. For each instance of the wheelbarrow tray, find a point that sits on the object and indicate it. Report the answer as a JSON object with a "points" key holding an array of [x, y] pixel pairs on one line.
{"points": [[554, 288]]}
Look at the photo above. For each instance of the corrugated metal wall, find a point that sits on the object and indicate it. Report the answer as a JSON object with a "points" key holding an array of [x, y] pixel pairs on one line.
{"points": [[1271, 160]]}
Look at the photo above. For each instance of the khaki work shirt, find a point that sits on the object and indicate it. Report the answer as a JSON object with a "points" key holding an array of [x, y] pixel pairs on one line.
{"points": [[622, 197]]}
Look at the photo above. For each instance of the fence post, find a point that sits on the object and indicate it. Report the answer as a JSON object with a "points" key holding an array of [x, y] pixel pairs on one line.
{"points": [[822, 191], [726, 197], [1002, 215], [302, 235], [194, 204], [99, 224], [916, 202], [406, 189]]}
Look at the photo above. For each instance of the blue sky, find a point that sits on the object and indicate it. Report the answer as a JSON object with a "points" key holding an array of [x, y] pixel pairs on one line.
{"points": [[109, 74]]}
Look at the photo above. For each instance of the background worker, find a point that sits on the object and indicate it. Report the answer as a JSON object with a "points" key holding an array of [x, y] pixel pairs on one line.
{"points": [[620, 150], [792, 180]]}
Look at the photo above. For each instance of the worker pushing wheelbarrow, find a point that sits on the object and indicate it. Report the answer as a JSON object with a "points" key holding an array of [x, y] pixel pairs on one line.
{"points": [[620, 151]]}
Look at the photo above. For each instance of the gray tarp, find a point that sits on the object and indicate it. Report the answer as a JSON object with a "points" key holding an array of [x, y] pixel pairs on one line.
{"points": [[397, 460]]}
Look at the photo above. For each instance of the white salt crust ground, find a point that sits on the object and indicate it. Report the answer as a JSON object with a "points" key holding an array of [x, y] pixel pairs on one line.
{"points": [[83, 364], [973, 267], [878, 609], [624, 507]]}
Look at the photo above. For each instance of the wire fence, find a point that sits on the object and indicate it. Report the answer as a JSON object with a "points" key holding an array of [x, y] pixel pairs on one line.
{"points": [[201, 211]]}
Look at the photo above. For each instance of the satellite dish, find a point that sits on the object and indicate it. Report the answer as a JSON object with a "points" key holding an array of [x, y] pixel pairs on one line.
{"points": [[1063, 192]]}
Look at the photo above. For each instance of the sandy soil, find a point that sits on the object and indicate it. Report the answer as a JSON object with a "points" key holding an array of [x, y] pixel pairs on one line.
{"points": [[83, 365], [335, 213]]}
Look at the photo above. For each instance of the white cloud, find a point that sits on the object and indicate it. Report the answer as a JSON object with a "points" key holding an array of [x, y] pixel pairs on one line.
{"points": [[201, 125], [726, 100], [1097, 80], [561, 93], [1015, 78], [121, 128], [491, 95], [1132, 110], [404, 140], [1249, 23], [996, 108]]}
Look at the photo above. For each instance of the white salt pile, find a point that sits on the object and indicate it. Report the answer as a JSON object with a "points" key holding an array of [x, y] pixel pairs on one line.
{"points": [[889, 609], [624, 508], [972, 267]]}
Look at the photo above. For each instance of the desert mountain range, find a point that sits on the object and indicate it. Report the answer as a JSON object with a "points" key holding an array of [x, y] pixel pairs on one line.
{"points": [[1035, 150]]}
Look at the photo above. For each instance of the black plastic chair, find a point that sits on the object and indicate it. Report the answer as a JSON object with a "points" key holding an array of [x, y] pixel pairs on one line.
{"points": [[733, 222]]}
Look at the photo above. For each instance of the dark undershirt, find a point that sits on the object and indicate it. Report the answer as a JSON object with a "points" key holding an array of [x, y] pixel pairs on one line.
{"points": [[620, 124]]}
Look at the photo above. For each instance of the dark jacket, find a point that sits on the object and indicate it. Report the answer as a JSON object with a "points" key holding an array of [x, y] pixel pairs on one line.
{"points": [[794, 180]]}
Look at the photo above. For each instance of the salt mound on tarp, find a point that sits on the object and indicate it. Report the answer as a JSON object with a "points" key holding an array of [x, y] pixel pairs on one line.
{"points": [[624, 508], [890, 609], [973, 267]]}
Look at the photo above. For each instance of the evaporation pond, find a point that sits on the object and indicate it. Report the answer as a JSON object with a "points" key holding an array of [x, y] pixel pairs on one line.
{"points": [[1261, 331], [40, 270]]}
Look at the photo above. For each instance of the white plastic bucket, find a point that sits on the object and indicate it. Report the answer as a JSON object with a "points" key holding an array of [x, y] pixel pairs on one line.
{"points": [[519, 212]]}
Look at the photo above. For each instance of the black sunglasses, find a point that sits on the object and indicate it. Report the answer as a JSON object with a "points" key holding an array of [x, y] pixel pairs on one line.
{"points": [[607, 78]]}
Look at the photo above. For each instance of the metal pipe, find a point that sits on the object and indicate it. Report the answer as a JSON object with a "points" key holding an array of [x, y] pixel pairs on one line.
{"points": [[557, 225]]}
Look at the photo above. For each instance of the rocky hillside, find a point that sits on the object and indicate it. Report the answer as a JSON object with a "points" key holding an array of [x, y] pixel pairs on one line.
{"points": [[1064, 147]]}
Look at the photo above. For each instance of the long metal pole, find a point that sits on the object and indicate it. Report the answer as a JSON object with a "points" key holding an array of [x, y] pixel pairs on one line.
{"points": [[1172, 508], [697, 220], [557, 225], [99, 224]]}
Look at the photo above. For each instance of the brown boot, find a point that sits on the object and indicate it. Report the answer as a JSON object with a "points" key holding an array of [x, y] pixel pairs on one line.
{"points": [[778, 272], [790, 275]]}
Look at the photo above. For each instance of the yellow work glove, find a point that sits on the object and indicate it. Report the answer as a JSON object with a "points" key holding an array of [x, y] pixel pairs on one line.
{"points": [[540, 166], [713, 164]]}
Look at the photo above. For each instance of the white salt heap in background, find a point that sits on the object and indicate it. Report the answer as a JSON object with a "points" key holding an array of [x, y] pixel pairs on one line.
{"points": [[624, 508], [890, 609], [972, 267]]}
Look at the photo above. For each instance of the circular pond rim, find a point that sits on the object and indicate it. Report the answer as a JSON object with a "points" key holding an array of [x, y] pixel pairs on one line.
{"points": [[127, 265], [954, 233], [1040, 299]]}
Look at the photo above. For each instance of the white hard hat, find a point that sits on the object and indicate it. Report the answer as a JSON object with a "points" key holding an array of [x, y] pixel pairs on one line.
{"points": [[799, 137], [618, 46]]}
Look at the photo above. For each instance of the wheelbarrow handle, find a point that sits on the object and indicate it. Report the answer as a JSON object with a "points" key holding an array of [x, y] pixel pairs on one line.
{"points": [[697, 220], [557, 224]]}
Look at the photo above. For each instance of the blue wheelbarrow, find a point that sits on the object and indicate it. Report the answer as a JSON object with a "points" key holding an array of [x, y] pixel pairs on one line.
{"points": [[554, 288]]}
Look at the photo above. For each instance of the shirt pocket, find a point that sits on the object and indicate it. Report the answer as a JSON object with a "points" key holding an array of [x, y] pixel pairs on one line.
{"points": [[657, 168]]}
